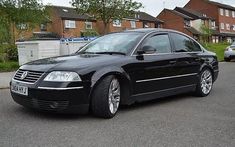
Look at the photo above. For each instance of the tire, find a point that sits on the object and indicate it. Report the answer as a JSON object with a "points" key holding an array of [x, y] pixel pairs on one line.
{"points": [[205, 83], [227, 59], [106, 98]]}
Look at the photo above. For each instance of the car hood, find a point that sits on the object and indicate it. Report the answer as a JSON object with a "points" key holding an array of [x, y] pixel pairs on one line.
{"points": [[71, 62]]}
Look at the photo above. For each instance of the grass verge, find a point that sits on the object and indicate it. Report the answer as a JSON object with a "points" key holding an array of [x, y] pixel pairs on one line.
{"points": [[217, 48], [8, 66]]}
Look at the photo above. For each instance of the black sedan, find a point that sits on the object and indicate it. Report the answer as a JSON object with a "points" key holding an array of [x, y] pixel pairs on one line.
{"points": [[117, 69]]}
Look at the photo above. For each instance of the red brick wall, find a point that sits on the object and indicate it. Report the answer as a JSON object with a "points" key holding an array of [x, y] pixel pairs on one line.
{"points": [[172, 21]]}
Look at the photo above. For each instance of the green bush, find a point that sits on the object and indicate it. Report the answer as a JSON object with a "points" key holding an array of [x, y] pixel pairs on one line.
{"points": [[12, 53], [89, 33], [9, 66]]}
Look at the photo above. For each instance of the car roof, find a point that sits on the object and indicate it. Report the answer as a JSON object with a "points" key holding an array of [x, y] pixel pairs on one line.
{"points": [[149, 30]]}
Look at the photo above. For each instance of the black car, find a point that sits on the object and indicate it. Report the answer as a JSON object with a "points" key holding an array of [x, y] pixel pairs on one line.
{"points": [[119, 68]]}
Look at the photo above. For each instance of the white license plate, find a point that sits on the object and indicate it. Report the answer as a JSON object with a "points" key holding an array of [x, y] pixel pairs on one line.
{"points": [[19, 89]]}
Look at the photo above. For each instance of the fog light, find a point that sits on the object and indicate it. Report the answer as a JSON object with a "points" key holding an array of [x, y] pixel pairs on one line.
{"points": [[54, 105]]}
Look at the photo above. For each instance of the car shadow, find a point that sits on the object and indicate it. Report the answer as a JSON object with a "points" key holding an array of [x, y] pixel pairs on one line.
{"points": [[60, 116], [156, 102]]}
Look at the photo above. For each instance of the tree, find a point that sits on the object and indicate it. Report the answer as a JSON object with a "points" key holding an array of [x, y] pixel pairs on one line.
{"points": [[206, 33], [107, 10], [16, 12]]}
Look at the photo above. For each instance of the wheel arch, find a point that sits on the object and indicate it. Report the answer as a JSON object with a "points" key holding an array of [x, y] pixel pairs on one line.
{"points": [[208, 66], [123, 77]]}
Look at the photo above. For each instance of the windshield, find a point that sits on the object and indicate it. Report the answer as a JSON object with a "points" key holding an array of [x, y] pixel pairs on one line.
{"points": [[113, 43]]}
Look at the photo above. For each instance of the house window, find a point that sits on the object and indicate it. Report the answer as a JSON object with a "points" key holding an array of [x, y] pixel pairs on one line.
{"points": [[233, 14], [222, 26], [228, 26], [117, 23], [213, 24], [43, 27], [70, 24], [221, 11], [22, 26], [234, 27], [133, 24], [88, 25], [145, 25], [187, 23], [227, 13]]}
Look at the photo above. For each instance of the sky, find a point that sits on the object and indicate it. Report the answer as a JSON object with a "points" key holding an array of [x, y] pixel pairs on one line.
{"points": [[153, 7]]}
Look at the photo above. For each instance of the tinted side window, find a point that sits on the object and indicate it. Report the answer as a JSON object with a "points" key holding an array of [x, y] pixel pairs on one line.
{"points": [[160, 43], [184, 44]]}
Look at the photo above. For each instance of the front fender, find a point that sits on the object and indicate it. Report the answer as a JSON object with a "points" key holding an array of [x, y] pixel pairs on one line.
{"points": [[98, 75]]}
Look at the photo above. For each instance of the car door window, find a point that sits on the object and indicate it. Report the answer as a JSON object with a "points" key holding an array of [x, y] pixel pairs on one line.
{"points": [[160, 43], [184, 44]]}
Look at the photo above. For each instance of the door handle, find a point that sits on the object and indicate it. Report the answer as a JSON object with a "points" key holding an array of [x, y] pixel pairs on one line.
{"points": [[172, 62]]}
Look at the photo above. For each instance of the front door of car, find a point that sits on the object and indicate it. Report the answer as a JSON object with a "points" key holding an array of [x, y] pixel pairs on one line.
{"points": [[153, 66]]}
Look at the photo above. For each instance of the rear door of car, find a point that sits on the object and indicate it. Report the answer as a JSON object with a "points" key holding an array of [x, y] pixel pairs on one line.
{"points": [[188, 62]]}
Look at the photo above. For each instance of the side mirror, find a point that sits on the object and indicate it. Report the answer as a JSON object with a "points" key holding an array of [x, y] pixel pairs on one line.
{"points": [[147, 50]]}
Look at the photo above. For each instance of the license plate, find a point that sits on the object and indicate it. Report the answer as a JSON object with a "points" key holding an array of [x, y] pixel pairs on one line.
{"points": [[19, 89]]}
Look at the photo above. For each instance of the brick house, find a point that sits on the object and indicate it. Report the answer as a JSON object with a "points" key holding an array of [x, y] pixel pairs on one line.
{"points": [[224, 16], [66, 22], [187, 21], [139, 20]]}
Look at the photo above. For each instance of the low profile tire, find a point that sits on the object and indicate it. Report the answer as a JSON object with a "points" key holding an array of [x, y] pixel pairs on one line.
{"points": [[205, 83], [227, 59], [106, 98]]}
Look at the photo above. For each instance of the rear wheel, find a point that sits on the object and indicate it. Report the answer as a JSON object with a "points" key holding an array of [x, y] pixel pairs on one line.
{"points": [[106, 98], [205, 83]]}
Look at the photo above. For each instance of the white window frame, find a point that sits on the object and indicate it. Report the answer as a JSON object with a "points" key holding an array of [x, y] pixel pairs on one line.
{"points": [[233, 14], [117, 23], [221, 12], [70, 24], [213, 24], [133, 24], [222, 26], [233, 27], [227, 13], [88, 24], [22, 26], [228, 27]]}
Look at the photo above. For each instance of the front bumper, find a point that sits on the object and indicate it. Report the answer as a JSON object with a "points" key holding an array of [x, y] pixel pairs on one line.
{"points": [[59, 100], [229, 54]]}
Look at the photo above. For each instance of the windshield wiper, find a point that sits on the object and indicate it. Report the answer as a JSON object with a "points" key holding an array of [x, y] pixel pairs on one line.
{"points": [[111, 53]]}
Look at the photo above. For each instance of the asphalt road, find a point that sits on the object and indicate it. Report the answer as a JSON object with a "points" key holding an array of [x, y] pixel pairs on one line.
{"points": [[179, 121]]}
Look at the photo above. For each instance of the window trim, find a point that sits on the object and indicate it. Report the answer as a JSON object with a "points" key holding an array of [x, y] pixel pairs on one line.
{"points": [[190, 38], [69, 26], [227, 13], [221, 11], [133, 21], [88, 23], [120, 25], [151, 34], [222, 26]]}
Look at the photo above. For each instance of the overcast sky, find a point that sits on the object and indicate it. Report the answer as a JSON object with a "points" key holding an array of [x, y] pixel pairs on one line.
{"points": [[153, 7]]}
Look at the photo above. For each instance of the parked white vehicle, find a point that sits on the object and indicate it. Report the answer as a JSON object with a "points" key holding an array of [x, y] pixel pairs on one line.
{"points": [[229, 53]]}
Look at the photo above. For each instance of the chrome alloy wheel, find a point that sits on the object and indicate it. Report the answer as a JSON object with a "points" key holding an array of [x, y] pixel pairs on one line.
{"points": [[114, 96], [206, 82]]}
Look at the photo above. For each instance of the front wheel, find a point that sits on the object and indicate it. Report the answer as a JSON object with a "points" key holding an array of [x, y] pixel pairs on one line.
{"points": [[205, 83], [106, 98]]}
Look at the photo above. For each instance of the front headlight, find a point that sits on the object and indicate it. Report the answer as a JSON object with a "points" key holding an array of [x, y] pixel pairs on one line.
{"points": [[62, 76]]}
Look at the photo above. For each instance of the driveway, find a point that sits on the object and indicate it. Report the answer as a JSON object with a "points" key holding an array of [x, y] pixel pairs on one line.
{"points": [[179, 121]]}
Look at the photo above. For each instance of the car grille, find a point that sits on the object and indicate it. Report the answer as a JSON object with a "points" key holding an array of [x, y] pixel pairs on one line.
{"points": [[31, 77]]}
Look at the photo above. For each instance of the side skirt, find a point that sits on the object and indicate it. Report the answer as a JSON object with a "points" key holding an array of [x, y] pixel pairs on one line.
{"points": [[162, 93]]}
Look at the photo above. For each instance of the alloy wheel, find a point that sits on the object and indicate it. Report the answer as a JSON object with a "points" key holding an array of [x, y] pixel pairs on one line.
{"points": [[206, 82], [114, 96]]}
